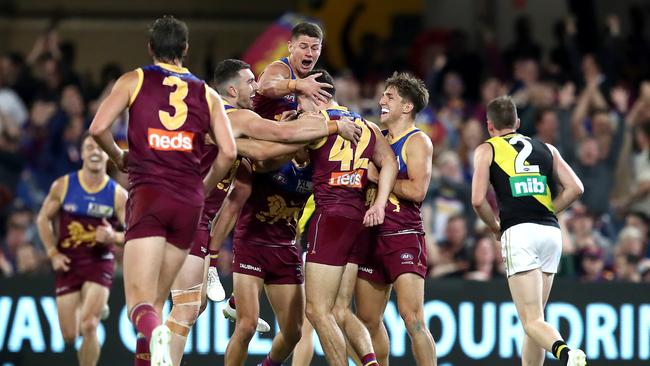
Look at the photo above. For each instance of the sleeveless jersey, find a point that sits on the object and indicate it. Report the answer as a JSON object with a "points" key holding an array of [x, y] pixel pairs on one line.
{"points": [[214, 199], [272, 108], [401, 215], [341, 168], [522, 176], [271, 213], [169, 116], [82, 211]]}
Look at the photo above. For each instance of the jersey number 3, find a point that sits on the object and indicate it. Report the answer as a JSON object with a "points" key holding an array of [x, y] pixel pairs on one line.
{"points": [[176, 100], [520, 160]]}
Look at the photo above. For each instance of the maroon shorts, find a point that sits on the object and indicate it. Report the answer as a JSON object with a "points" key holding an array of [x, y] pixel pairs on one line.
{"points": [[276, 265], [100, 272], [332, 239], [201, 243], [395, 255], [150, 212]]}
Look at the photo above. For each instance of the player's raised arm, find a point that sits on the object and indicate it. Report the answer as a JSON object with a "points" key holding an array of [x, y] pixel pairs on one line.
{"points": [[419, 151], [118, 100], [572, 187], [222, 135], [276, 82], [46, 215], [384, 158], [480, 183]]}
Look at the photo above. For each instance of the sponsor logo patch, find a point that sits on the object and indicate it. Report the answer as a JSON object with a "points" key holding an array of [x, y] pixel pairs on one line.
{"points": [[528, 185], [250, 267], [366, 269], [406, 256], [170, 140], [347, 179]]}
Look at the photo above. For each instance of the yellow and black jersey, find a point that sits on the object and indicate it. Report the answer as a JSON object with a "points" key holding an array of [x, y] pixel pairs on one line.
{"points": [[522, 176]]}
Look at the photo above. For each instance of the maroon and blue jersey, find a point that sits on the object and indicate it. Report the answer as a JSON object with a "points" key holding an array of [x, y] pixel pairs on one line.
{"points": [[272, 108], [82, 211], [401, 215], [271, 213], [341, 168], [169, 117]]}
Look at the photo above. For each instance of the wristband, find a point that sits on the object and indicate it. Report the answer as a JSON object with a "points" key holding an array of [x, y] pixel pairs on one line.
{"points": [[292, 85], [332, 127], [51, 252]]}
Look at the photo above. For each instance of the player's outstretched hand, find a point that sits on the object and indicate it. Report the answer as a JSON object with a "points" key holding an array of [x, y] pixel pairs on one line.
{"points": [[104, 233], [122, 161], [348, 129], [60, 262], [314, 89], [374, 216]]}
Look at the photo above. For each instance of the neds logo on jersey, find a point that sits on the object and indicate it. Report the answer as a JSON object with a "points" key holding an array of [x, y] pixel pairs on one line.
{"points": [[528, 185], [347, 179], [170, 140]]}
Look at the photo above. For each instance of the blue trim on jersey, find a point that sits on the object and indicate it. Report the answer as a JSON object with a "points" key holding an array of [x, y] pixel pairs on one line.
{"points": [[294, 179], [338, 113], [81, 203], [398, 146], [182, 75], [285, 60]]}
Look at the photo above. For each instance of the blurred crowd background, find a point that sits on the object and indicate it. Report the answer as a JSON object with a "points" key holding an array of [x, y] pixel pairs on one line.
{"points": [[581, 81]]}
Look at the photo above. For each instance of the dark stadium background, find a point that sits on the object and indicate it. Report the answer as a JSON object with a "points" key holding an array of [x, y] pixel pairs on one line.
{"points": [[561, 60]]}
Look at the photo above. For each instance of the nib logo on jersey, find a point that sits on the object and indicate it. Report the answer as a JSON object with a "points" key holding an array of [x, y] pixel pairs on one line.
{"points": [[347, 179], [528, 185], [170, 140]]}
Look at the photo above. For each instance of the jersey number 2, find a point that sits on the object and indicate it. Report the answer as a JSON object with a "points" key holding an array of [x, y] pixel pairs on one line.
{"points": [[342, 151], [176, 100], [520, 160]]}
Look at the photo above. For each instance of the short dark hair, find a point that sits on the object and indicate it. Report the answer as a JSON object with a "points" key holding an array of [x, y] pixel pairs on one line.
{"points": [[225, 71], [324, 78], [502, 112], [410, 88], [307, 29], [168, 38]]}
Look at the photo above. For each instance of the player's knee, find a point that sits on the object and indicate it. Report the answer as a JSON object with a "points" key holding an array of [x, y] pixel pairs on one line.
{"points": [[371, 322], [314, 314], [187, 314], [413, 320], [292, 335], [89, 325], [246, 327], [340, 314]]}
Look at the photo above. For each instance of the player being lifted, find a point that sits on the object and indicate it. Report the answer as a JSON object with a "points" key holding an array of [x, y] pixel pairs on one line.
{"points": [[524, 173], [236, 84], [398, 257], [339, 178], [83, 207], [170, 113]]}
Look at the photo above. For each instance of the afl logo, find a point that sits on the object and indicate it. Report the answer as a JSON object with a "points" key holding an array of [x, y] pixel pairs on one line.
{"points": [[406, 256]]}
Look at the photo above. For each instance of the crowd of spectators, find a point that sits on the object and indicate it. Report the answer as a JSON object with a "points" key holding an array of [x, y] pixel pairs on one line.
{"points": [[592, 103]]}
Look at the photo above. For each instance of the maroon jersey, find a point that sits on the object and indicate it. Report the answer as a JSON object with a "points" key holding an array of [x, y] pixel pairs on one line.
{"points": [[272, 211], [401, 215], [82, 211], [214, 200], [168, 122], [341, 168], [272, 108]]}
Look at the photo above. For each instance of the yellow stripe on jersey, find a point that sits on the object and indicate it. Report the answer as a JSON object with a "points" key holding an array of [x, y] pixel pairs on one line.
{"points": [[505, 156], [319, 143], [207, 97], [307, 212], [138, 86]]}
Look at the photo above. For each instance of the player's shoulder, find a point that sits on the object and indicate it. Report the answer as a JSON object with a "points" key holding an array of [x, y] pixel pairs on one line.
{"points": [[277, 68], [419, 140]]}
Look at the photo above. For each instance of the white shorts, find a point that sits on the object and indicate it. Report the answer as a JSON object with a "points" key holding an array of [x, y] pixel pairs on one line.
{"points": [[529, 246]]}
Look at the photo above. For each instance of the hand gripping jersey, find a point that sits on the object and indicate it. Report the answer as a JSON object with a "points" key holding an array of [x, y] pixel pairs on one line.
{"points": [[271, 213], [82, 211], [401, 215], [341, 168], [215, 198], [522, 176], [272, 108], [169, 116]]}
